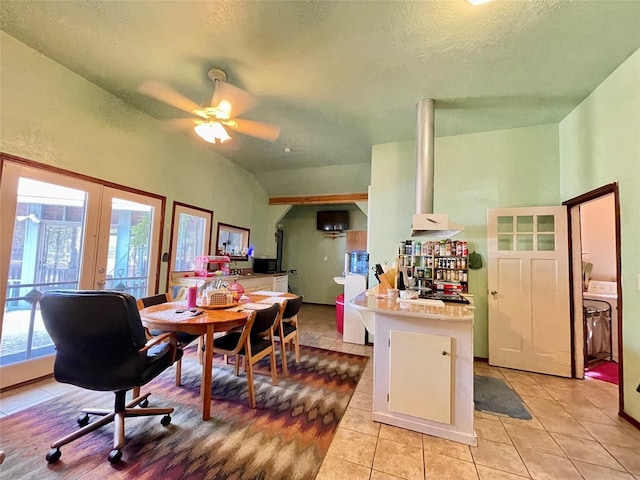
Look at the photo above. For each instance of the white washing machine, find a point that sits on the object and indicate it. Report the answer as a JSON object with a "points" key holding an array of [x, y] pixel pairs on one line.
{"points": [[606, 291]]}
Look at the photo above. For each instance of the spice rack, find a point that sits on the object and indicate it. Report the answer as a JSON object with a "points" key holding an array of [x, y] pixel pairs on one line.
{"points": [[433, 266]]}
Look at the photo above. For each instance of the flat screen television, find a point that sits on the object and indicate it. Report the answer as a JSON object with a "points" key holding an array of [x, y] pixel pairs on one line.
{"points": [[333, 221]]}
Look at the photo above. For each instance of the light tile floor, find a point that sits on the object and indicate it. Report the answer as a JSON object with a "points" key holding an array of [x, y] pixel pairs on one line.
{"points": [[575, 431]]}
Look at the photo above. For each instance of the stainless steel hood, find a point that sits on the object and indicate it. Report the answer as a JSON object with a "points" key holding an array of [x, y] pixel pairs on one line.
{"points": [[425, 222]]}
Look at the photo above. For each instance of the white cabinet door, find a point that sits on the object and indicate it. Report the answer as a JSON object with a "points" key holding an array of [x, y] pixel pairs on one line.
{"points": [[256, 284], [420, 375]]}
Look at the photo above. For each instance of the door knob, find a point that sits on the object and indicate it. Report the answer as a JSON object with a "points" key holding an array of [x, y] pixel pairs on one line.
{"points": [[494, 292]]}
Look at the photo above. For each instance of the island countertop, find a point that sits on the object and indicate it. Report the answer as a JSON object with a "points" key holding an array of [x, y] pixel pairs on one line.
{"points": [[372, 301]]}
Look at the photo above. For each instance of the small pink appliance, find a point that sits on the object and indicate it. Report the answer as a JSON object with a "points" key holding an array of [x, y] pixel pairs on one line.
{"points": [[206, 265]]}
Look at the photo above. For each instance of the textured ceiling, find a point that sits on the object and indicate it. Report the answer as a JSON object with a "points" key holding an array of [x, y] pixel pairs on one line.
{"points": [[338, 77]]}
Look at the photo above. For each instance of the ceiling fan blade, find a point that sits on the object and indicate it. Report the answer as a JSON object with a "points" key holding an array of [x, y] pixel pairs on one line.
{"points": [[164, 93], [180, 123], [261, 130], [232, 100]]}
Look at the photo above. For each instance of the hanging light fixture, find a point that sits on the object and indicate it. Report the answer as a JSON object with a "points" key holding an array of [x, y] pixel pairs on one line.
{"points": [[212, 132]]}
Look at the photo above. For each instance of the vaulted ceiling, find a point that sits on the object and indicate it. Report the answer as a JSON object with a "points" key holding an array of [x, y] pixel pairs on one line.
{"points": [[341, 76]]}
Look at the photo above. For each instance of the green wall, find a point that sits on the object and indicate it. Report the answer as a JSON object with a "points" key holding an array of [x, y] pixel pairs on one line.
{"points": [[305, 250], [473, 173], [600, 144], [53, 116]]}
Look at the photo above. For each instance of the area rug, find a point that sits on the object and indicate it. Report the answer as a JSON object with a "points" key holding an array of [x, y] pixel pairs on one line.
{"points": [[606, 371], [493, 395], [285, 437]]}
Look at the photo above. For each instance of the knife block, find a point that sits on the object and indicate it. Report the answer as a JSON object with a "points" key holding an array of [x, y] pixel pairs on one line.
{"points": [[384, 284]]}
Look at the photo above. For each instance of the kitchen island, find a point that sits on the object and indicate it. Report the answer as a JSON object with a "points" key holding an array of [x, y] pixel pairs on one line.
{"points": [[423, 364]]}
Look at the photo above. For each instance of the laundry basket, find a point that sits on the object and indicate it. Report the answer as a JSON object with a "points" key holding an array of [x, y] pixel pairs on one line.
{"points": [[597, 330]]}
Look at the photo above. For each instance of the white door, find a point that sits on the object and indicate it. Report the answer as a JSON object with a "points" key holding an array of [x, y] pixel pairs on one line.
{"points": [[528, 267], [62, 232]]}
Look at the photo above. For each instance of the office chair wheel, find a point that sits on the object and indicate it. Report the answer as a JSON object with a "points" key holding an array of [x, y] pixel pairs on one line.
{"points": [[83, 420], [144, 403], [54, 455], [166, 420], [115, 455]]}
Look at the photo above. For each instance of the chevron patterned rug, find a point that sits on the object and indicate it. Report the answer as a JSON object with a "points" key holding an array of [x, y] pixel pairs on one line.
{"points": [[285, 437]]}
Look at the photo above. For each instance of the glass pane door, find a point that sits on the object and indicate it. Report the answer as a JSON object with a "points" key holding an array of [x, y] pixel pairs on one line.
{"points": [[66, 233], [47, 248], [129, 243]]}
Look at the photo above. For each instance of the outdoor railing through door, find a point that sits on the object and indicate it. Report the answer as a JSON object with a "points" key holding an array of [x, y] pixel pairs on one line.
{"points": [[23, 333]]}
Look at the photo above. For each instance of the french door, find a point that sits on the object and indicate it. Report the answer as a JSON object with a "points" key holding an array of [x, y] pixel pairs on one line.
{"points": [[64, 232]]}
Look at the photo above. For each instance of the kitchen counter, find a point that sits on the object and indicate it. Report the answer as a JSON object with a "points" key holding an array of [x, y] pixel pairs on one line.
{"points": [[227, 278], [423, 365], [277, 282]]}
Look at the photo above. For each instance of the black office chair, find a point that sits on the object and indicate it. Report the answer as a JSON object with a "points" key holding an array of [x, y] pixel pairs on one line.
{"points": [[288, 331], [184, 338], [252, 343], [100, 345]]}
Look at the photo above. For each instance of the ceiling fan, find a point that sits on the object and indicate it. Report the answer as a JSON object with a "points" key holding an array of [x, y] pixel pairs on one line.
{"points": [[212, 122]]}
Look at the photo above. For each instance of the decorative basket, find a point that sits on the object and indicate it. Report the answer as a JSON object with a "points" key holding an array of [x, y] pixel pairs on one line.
{"points": [[219, 297]]}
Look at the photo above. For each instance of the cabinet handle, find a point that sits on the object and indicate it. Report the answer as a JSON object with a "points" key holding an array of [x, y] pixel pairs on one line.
{"points": [[444, 353]]}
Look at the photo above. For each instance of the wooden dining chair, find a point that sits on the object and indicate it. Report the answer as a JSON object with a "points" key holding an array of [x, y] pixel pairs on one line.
{"points": [[287, 332], [184, 338], [251, 344]]}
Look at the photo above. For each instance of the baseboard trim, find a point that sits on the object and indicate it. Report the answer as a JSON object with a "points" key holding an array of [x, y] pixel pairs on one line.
{"points": [[26, 383], [630, 419]]}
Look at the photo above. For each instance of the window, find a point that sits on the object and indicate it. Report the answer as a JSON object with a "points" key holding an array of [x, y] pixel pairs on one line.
{"points": [[190, 236], [531, 233], [232, 241]]}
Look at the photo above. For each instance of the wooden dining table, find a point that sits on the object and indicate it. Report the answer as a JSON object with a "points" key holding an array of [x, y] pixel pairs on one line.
{"points": [[175, 317]]}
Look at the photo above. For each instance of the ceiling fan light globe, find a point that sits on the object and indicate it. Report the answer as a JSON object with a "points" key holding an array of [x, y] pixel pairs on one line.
{"points": [[212, 132]]}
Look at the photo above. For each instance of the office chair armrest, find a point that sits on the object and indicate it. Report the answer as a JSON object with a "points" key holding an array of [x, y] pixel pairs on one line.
{"points": [[147, 334], [171, 337]]}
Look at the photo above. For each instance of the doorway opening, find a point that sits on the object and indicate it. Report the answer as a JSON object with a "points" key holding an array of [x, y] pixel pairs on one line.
{"points": [[594, 236]]}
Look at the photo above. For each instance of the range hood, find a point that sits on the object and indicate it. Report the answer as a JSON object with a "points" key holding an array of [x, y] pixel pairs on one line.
{"points": [[425, 222]]}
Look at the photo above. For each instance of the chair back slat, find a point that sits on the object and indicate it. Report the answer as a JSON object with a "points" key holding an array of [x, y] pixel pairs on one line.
{"points": [[293, 307], [153, 300], [265, 319]]}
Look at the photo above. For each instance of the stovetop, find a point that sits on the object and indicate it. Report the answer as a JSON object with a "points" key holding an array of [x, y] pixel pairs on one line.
{"points": [[445, 297]]}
